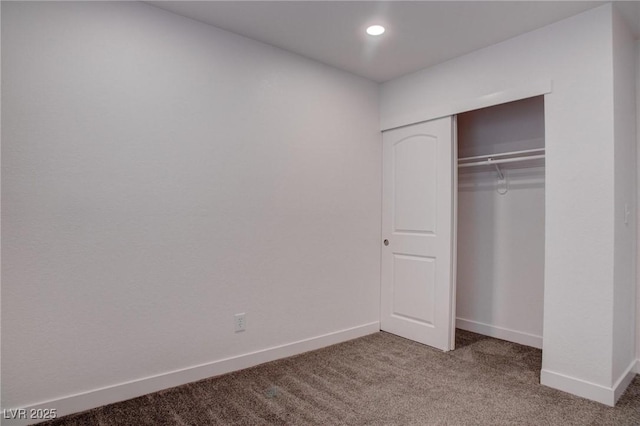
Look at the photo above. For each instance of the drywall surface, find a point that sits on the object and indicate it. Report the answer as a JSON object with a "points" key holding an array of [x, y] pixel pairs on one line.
{"points": [[637, 206], [500, 265], [513, 126], [576, 55], [500, 280], [624, 64], [160, 175]]}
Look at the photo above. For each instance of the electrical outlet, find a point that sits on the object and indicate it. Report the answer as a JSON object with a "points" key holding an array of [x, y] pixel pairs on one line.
{"points": [[240, 321]]}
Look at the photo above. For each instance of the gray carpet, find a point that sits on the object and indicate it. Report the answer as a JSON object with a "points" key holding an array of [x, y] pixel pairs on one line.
{"points": [[379, 379]]}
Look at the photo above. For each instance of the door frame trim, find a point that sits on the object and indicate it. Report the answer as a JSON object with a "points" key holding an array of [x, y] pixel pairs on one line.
{"points": [[454, 230], [523, 91]]}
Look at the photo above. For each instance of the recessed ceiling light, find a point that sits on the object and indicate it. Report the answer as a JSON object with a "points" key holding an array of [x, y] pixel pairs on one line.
{"points": [[375, 30]]}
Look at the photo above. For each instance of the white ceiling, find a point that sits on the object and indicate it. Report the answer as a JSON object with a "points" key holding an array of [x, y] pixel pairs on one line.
{"points": [[419, 33]]}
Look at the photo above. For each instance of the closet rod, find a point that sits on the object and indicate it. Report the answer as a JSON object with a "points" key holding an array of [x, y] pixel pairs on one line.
{"points": [[501, 161], [502, 154]]}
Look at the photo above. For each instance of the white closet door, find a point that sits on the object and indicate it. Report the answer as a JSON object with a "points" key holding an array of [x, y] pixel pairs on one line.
{"points": [[417, 229]]}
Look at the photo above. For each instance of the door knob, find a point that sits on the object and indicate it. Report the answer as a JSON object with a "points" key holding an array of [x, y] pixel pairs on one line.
{"points": [[386, 242]]}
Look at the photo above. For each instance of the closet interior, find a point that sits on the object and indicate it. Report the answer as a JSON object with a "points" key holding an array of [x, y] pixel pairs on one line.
{"points": [[501, 220]]}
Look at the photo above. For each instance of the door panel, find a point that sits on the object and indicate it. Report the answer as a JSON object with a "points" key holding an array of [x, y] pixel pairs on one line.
{"points": [[417, 288], [414, 285], [414, 184]]}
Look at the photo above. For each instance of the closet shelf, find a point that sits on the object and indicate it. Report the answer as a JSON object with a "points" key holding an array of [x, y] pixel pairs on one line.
{"points": [[514, 159]]}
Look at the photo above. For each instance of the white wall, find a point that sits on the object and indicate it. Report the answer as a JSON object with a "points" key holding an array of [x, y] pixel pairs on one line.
{"points": [[576, 55], [500, 279], [638, 206], [512, 126], [160, 175], [624, 64]]}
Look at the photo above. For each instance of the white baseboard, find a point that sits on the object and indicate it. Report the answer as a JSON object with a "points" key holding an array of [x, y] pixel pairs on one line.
{"points": [[500, 332], [624, 381], [638, 366], [123, 391], [603, 394]]}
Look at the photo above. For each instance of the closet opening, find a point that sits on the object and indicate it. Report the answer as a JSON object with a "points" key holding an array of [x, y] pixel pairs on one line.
{"points": [[501, 222]]}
